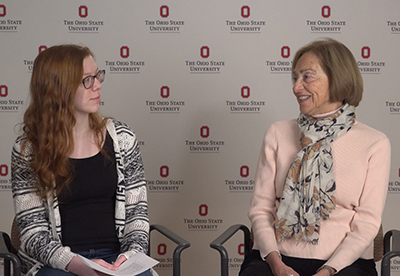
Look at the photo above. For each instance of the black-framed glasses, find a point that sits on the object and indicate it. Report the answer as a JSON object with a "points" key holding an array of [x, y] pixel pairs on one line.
{"points": [[88, 82]]}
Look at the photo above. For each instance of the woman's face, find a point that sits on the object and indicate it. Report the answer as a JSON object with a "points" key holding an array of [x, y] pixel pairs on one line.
{"points": [[311, 86], [88, 100]]}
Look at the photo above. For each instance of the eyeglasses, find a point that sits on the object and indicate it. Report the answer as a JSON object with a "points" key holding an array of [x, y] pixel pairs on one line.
{"points": [[88, 82]]}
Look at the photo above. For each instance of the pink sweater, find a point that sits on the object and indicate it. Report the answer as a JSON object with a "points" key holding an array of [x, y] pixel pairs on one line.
{"points": [[361, 160]]}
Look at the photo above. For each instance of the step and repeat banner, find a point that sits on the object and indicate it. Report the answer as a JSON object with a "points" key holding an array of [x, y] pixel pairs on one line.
{"points": [[200, 82]]}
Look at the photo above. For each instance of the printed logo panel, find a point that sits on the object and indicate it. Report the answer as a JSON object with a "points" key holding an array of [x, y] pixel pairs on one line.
{"points": [[167, 183], [204, 66], [369, 65], [5, 183], [8, 104], [164, 24], [243, 24], [242, 184], [124, 64], [202, 222], [394, 26], [244, 105], [281, 64], [163, 106], [8, 25], [82, 23], [326, 25], [206, 144], [394, 185]]}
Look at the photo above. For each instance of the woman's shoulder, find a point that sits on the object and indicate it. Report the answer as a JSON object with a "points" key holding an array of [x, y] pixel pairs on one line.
{"points": [[120, 131], [286, 124], [364, 137], [118, 126], [368, 132], [284, 127], [21, 144], [282, 132]]}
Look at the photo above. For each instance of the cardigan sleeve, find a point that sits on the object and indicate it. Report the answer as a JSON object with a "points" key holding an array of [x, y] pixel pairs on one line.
{"points": [[136, 230], [368, 211], [38, 245], [262, 209]]}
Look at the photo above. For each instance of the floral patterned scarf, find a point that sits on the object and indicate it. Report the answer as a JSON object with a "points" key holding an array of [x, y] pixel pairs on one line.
{"points": [[309, 195]]}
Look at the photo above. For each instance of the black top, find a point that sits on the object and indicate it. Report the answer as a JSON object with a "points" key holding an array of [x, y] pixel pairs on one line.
{"points": [[87, 206]]}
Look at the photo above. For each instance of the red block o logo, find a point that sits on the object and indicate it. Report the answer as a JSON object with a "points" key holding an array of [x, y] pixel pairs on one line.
{"points": [[3, 91], [285, 51], [164, 171], [244, 171], [245, 92], [326, 11], [42, 48], [124, 51], [205, 52], [366, 52], [3, 170], [164, 92], [162, 249], [83, 11], [203, 210], [204, 131], [245, 11], [241, 249], [2, 10], [164, 11]]}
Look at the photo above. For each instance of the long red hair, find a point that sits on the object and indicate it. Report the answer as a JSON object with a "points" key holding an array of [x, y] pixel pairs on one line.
{"points": [[49, 119]]}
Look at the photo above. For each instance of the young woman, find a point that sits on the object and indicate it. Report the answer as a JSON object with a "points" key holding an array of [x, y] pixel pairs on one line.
{"points": [[77, 178]]}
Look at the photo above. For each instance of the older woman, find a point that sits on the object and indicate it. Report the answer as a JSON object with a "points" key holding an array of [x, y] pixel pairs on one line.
{"points": [[321, 180]]}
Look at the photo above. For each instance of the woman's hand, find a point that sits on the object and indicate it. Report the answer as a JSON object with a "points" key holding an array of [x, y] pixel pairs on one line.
{"points": [[104, 264], [322, 272], [121, 259], [278, 267], [78, 267], [325, 271]]}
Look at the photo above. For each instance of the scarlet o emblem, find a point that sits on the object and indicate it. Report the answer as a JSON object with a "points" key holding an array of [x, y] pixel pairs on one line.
{"points": [[203, 210], [204, 131], [245, 92], [42, 48], [2, 10], [326, 11], [164, 92], [83, 11], [244, 171], [161, 249], [164, 171], [366, 52], [3, 91], [3, 170], [241, 249], [205, 52], [245, 11], [285, 51], [164, 11], [124, 51]]}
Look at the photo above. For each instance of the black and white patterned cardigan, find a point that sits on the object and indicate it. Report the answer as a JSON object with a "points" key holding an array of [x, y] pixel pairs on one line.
{"points": [[39, 222]]}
